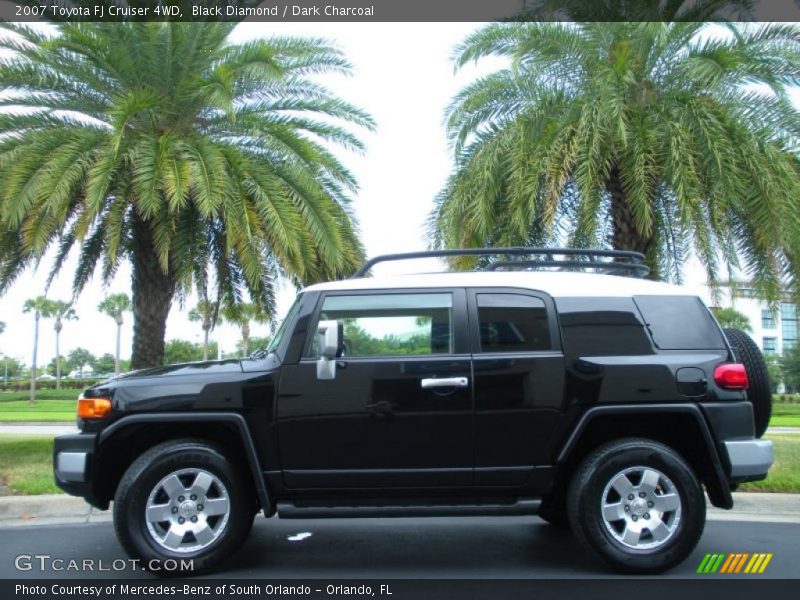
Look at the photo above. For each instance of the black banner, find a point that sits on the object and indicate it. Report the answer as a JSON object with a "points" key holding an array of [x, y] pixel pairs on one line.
{"points": [[399, 589], [399, 10]]}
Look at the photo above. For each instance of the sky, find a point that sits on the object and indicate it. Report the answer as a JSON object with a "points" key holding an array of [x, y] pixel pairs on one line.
{"points": [[403, 76]]}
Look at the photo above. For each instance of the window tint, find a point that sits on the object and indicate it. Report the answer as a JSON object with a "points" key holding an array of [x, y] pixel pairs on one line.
{"points": [[512, 323], [392, 324], [680, 323], [599, 326]]}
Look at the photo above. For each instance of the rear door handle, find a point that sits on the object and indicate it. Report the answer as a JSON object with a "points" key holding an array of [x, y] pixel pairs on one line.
{"points": [[444, 382]]}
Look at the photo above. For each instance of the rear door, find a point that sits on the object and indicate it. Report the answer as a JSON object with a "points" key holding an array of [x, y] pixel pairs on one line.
{"points": [[519, 381], [399, 411]]}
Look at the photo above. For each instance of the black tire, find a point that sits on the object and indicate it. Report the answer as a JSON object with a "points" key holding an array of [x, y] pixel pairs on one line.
{"points": [[554, 512], [759, 390], [588, 491], [141, 479]]}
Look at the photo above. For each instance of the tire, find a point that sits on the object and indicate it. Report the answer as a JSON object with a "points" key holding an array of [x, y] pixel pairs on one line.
{"points": [[668, 483], [554, 512], [206, 475], [759, 390]]}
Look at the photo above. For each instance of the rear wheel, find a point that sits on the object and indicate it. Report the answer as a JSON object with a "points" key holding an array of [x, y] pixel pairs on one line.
{"points": [[182, 500], [759, 390], [637, 505]]}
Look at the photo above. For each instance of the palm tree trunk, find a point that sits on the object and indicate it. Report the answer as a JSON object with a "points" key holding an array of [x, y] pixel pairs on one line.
{"points": [[58, 357], [152, 298], [205, 343], [246, 339], [35, 350], [625, 234], [116, 353]]}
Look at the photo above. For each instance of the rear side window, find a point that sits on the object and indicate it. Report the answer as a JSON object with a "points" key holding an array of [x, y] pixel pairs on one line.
{"points": [[597, 326], [680, 323], [512, 323]]}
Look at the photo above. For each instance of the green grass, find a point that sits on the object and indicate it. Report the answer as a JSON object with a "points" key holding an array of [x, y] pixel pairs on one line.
{"points": [[50, 406], [26, 464], [40, 395], [784, 476], [785, 415]]}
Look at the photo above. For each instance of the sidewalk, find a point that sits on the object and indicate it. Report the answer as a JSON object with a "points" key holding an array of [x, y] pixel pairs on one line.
{"points": [[59, 428], [25, 428], [56, 509]]}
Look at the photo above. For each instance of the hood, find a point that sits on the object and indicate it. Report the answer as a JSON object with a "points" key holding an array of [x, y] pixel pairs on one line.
{"points": [[208, 367]]}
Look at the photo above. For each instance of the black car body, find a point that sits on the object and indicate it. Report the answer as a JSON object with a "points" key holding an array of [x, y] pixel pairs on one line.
{"points": [[487, 393]]}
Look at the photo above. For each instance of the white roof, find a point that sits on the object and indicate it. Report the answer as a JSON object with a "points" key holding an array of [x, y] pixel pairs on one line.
{"points": [[555, 283]]}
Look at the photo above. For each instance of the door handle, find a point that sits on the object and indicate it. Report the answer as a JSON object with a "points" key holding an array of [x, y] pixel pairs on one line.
{"points": [[444, 382]]}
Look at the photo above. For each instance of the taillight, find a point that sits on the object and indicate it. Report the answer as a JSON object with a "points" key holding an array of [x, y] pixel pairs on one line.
{"points": [[94, 408], [731, 376]]}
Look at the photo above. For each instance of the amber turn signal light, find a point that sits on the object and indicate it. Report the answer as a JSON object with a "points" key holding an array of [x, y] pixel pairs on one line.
{"points": [[94, 408]]}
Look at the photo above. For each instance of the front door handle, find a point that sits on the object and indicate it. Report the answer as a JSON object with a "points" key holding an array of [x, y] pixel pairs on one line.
{"points": [[444, 382]]}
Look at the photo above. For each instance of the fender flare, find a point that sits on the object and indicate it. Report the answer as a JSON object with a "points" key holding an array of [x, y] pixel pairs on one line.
{"points": [[236, 419], [718, 487]]}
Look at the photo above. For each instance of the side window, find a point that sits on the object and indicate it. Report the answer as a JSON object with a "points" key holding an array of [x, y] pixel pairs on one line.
{"points": [[600, 326], [680, 323], [392, 324], [512, 323]]}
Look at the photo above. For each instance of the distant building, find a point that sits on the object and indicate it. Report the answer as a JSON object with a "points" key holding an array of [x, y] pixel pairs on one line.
{"points": [[773, 332]]}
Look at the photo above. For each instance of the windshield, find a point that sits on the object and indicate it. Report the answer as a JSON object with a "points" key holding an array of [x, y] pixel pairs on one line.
{"points": [[282, 328]]}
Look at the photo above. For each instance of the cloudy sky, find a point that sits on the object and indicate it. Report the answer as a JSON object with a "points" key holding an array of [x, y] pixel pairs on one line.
{"points": [[404, 77]]}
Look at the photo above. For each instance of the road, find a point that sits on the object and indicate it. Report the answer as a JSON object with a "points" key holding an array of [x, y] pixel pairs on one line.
{"points": [[492, 547]]}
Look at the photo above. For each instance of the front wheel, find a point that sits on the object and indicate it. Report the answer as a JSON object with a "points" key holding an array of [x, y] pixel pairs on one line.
{"points": [[182, 507], [638, 505]]}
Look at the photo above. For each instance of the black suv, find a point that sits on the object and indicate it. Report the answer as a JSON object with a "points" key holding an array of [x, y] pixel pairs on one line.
{"points": [[597, 400]]}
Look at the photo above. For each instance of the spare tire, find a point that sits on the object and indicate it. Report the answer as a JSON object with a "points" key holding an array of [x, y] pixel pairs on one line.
{"points": [[759, 390]]}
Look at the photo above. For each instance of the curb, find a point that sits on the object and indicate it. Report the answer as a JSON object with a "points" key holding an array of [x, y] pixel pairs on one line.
{"points": [[47, 509], [59, 509]]}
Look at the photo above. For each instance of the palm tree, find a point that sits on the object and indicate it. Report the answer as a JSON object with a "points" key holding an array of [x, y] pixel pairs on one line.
{"points": [[656, 137], [730, 318], [114, 306], [2, 327], [168, 146], [42, 308], [61, 311], [207, 314], [242, 315]]}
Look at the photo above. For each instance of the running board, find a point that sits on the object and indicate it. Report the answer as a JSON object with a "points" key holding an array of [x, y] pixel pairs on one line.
{"points": [[522, 506]]}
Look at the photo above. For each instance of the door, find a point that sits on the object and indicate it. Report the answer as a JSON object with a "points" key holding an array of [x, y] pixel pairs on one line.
{"points": [[519, 382], [399, 410]]}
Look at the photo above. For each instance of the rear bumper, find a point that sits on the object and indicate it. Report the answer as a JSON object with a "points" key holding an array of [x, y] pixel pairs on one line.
{"points": [[72, 466], [750, 460]]}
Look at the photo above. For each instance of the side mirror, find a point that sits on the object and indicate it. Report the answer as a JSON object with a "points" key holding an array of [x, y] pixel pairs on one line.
{"points": [[328, 340]]}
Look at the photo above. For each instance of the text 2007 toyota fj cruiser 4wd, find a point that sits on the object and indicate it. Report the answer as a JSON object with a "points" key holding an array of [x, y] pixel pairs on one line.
{"points": [[601, 402]]}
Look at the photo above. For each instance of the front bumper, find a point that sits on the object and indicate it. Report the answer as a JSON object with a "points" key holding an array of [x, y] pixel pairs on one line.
{"points": [[750, 460], [72, 466]]}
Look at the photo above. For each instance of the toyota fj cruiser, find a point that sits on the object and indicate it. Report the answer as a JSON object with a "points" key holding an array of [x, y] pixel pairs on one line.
{"points": [[600, 401]]}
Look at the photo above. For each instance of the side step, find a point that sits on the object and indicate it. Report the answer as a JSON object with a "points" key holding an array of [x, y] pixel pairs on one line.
{"points": [[521, 506]]}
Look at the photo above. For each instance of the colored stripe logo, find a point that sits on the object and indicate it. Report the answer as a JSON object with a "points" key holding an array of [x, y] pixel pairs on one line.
{"points": [[733, 563]]}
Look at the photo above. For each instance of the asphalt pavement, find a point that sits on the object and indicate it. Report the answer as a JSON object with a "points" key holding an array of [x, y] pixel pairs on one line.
{"points": [[478, 547]]}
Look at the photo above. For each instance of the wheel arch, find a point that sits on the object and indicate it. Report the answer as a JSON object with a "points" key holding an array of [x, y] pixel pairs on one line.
{"points": [[682, 427], [121, 442]]}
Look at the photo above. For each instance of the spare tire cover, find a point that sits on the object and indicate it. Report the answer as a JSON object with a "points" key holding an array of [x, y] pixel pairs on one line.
{"points": [[759, 391]]}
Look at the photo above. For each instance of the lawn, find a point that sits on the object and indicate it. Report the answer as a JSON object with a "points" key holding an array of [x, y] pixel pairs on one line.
{"points": [[26, 464], [784, 476], [785, 415], [50, 405]]}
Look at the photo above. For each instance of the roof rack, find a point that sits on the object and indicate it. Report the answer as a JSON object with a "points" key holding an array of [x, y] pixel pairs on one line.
{"points": [[623, 261]]}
